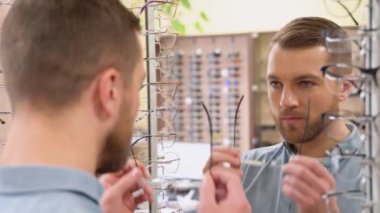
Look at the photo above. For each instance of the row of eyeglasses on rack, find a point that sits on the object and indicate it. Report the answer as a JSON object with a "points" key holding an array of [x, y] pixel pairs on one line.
{"points": [[163, 91]]}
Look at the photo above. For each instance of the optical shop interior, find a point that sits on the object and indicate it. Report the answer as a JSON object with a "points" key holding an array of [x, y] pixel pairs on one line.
{"points": [[284, 93]]}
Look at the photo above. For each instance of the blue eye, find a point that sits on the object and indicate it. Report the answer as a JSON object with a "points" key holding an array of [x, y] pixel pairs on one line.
{"points": [[275, 84], [306, 84]]}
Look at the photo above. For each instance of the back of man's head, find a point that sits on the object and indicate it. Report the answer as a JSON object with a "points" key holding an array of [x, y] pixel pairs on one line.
{"points": [[51, 50]]}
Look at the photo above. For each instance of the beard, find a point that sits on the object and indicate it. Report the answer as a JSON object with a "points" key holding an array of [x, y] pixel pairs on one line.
{"points": [[114, 154], [295, 135], [312, 128], [116, 146]]}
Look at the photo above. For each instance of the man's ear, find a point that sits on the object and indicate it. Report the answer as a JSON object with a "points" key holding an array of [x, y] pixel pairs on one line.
{"points": [[108, 92], [345, 90]]}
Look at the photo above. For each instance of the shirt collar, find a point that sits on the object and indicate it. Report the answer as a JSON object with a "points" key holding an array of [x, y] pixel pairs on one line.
{"points": [[22, 179]]}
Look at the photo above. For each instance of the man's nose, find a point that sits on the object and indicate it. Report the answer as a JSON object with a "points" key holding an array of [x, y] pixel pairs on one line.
{"points": [[288, 99]]}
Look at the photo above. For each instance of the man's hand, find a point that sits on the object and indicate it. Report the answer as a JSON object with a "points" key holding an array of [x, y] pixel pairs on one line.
{"points": [[305, 182], [234, 199], [221, 155], [125, 189]]}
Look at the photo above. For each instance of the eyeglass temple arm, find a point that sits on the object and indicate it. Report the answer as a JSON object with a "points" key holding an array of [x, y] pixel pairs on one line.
{"points": [[236, 114], [134, 143], [211, 132]]}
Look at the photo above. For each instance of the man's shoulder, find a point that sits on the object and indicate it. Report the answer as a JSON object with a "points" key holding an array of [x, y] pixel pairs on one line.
{"points": [[263, 152]]}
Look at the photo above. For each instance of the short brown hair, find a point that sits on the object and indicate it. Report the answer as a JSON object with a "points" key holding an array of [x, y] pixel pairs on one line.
{"points": [[308, 32], [51, 50], [304, 32]]}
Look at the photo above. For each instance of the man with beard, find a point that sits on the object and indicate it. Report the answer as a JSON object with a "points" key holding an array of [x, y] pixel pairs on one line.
{"points": [[73, 70], [293, 176]]}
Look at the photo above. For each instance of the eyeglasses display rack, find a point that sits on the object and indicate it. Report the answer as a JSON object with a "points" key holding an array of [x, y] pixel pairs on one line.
{"points": [[218, 72]]}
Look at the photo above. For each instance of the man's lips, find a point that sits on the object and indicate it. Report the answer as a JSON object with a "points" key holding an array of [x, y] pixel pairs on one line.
{"points": [[291, 119]]}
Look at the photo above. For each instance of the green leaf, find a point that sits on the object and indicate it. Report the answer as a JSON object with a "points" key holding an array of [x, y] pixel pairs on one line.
{"points": [[198, 27], [203, 15], [166, 9], [186, 4], [179, 26]]}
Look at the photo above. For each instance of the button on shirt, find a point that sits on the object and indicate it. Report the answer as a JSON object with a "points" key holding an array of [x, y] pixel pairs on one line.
{"points": [[262, 184], [44, 189]]}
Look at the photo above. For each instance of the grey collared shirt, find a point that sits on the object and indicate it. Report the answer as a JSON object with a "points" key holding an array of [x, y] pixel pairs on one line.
{"points": [[44, 189], [262, 184]]}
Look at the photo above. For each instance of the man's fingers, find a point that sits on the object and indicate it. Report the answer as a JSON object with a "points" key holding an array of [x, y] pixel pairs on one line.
{"points": [[229, 178], [227, 150], [294, 194], [109, 179], [294, 184], [220, 158], [316, 167], [140, 199], [207, 189], [235, 171], [306, 175], [130, 183]]}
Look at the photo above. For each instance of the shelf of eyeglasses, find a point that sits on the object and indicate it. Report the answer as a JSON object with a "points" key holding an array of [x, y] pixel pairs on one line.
{"points": [[214, 68], [196, 124], [197, 139], [179, 55], [231, 120], [195, 72], [232, 138], [179, 101], [214, 78], [177, 72], [195, 56], [216, 119], [233, 55], [196, 112], [195, 98], [214, 103], [216, 53], [198, 135], [180, 92], [232, 89], [197, 76], [195, 66], [195, 81], [195, 117], [232, 131], [195, 61], [213, 110], [195, 91], [231, 76], [196, 127]]}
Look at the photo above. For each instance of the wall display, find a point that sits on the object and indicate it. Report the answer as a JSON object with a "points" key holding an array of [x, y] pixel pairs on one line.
{"points": [[219, 71]]}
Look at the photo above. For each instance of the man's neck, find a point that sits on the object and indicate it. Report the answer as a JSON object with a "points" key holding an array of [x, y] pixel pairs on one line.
{"points": [[317, 147], [37, 139]]}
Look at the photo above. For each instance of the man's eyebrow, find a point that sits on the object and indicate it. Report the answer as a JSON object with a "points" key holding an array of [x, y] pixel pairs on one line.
{"points": [[301, 77], [308, 76], [272, 76]]}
